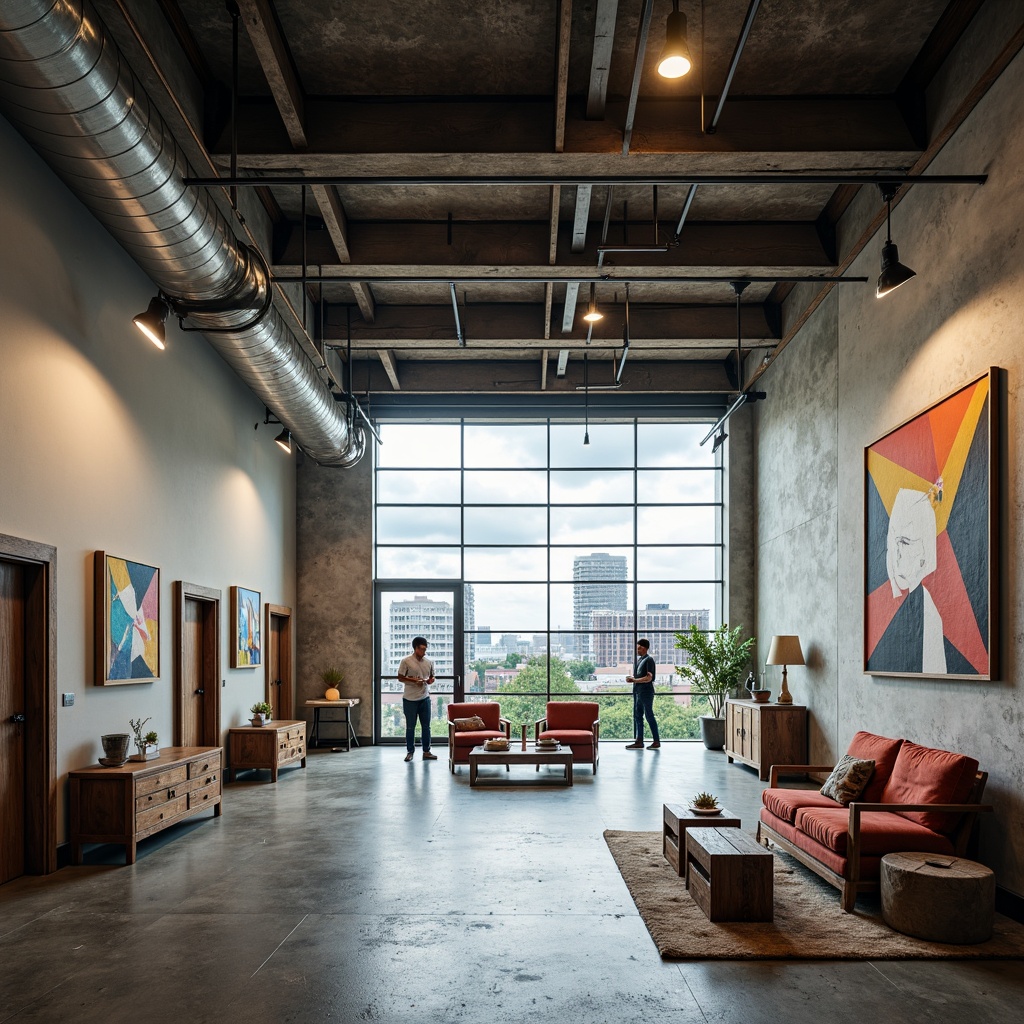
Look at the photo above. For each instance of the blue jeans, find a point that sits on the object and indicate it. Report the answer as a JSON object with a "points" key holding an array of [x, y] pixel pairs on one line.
{"points": [[643, 707], [418, 709]]}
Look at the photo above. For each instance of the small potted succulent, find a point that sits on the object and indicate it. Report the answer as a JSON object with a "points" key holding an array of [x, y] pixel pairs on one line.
{"points": [[332, 678], [152, 743], [146, 744], [261, 712], [705, 803]]}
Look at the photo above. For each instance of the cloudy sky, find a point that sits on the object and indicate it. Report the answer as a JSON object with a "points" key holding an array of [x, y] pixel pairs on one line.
{"points": [[505, 467]]}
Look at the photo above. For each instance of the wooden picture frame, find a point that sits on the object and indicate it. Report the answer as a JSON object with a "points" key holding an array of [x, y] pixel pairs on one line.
{"points": [[931, 544], [127, 621], [246, 629]]}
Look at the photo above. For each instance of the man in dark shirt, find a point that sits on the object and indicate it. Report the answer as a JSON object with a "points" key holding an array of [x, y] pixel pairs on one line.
{"points": [[643, 696]]}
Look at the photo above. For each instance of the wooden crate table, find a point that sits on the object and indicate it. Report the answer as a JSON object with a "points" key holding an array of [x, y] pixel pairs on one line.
{"points": [[677, 818], [266, 746], [938, 898], [141, 798], [729, 875], [345, 705]]}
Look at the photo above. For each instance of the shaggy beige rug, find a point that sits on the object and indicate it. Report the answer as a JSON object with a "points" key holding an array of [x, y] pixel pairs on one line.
{"points": [[808, 923]]}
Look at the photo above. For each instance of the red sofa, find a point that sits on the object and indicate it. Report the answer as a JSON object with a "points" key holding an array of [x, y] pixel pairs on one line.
{"points": [[575, 724], [918, 799], [460, 743]]}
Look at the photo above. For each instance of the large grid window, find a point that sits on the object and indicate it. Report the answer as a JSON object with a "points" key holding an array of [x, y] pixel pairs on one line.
{"points": [[562, 554]]}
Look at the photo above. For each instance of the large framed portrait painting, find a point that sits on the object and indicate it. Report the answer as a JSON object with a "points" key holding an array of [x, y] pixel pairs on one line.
{"points": [[931, 545]]}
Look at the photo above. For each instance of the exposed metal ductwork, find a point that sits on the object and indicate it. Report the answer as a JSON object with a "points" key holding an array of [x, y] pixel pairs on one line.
{"points": [[66, 87]]}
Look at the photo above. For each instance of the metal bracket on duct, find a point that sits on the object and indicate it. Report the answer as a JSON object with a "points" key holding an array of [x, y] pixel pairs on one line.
{"points": [[66, 87]]}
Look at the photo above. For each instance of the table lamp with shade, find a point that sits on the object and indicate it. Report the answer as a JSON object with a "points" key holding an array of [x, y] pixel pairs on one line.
{"points": [[785, 650]]}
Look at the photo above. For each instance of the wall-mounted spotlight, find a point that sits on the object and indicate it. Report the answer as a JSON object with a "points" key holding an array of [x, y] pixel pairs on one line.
{"points": [[674, 61], [893, 272], [284, 441], [151, 323], [719, 441], [593, 314]]}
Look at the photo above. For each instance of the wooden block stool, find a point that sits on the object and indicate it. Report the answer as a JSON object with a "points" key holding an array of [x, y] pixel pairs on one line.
{"points": [[676, 819], [729, 875], [938, 898]]}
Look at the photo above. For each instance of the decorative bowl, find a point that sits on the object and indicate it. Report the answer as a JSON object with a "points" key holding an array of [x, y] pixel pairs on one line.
{"points": [[706, 810], [761, 696], [496, 745]]}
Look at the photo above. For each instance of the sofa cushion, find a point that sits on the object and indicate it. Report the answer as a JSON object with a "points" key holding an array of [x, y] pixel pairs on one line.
{"points": [[477, 737], [488, 710], [881, 832], [474, 724], [572, 714], [848, 779], [575, 737], [784, 803], [867, 746], [926, 775], [870, 867]]}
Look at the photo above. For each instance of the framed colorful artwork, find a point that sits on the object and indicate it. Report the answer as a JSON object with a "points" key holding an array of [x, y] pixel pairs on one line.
{"points": [[247, 648], [931, 541], [127, 626]]}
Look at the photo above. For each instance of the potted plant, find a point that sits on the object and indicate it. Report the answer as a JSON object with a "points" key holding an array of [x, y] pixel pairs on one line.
{"points": [[152, 743], [146, 748], [716, 661], [261, 712], [332, 678]]}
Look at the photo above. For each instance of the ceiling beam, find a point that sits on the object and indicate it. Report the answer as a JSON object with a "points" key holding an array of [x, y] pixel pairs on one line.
{"points": [[601, 59], [279, 69], [562, 72], [333, 213], [388, 361]]}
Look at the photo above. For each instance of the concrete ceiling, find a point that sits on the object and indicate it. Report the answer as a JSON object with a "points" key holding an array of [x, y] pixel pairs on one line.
{"points": [[379, 89]]}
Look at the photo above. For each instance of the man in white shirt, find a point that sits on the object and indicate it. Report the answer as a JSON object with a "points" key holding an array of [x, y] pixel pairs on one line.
{"points": [[417, 672]]}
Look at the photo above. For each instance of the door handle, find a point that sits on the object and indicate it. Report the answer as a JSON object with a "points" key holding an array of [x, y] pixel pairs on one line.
{"points": [[200, 690], [18, 719]]}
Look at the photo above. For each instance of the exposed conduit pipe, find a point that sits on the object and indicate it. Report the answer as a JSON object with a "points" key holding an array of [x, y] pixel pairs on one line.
{"points": [[67, 88]]}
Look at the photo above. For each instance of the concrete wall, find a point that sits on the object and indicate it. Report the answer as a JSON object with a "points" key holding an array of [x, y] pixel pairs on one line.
{"points": [[860, 367], [112, 445]]}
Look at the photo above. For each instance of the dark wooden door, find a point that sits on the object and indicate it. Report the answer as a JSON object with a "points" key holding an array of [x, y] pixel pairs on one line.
{"points": [[274, 666], [12, 731], [192, 680], [197, 666]]}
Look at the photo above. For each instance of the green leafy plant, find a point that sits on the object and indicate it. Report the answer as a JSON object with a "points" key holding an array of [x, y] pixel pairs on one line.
{"points": [[152, 738], [716, 661], [705, 801], [332, 676], [261, 707], [140, 740]]}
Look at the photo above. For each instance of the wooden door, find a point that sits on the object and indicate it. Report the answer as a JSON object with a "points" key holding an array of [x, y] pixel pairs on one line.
{"points": [[12, 721], [197, 666], [279, 661]]}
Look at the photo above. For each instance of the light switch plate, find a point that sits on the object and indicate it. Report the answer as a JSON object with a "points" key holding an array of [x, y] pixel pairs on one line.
{"points": [[68, 700]]}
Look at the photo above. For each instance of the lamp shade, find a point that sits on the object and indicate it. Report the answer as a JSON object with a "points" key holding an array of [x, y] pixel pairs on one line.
{"points": [[785, 650]]}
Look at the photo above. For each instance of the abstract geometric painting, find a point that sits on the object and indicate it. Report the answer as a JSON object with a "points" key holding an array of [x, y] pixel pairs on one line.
{"points": [[247, 651], [127, 621], [930, 542]]}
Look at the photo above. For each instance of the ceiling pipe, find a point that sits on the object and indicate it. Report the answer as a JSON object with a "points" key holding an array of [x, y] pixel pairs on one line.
{"points": [[67, 88]]}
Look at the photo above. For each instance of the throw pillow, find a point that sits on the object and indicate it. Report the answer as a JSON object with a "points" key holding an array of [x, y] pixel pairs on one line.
{"points": [[848, 779], [474, 724]]}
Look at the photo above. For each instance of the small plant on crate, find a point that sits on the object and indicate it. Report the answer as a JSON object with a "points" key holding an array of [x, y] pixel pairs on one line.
{"points": [[261, 712], [706, 802]]}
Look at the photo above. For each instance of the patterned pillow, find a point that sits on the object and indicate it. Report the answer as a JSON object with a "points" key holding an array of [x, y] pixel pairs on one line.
{"points": [[475, 724], [848, 779]]}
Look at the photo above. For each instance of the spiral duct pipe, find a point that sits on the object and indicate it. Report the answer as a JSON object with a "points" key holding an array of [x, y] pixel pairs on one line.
{"points": [[68, 89]]}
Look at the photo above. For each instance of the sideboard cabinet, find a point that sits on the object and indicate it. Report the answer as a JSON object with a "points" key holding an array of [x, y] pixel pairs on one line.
{"points": [[139, 799], [761, 735], [266, 746]]}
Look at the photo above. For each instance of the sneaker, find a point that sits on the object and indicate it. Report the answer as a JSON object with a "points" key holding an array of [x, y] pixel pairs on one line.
{"points": [[654, 745], [408, 756], [634, 746], [427, 756]]}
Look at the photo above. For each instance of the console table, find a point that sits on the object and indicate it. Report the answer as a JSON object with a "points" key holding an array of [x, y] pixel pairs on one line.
{"points": [[345, 705], [141, 798], [761, 735], [266, 746]]}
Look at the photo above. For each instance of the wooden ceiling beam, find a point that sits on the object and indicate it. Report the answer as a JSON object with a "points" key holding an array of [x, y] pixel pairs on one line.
{"points": [[601, 58], [390, 364], [333, 212]]}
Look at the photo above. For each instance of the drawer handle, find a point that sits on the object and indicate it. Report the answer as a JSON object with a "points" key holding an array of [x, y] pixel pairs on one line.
{"points": [[171, 794]]}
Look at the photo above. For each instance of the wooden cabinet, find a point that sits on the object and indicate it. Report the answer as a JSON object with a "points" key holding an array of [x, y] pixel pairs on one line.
{"points": [[126, 804], [765, 734], [266, 746]]}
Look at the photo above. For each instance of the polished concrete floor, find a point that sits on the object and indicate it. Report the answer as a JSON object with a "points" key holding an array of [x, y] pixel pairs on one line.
{"points": [[367, 889]]}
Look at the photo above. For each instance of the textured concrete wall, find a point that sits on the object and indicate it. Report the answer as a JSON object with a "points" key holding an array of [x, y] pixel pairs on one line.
{"points": [[334, 556], [859, 368], [739, 521]]}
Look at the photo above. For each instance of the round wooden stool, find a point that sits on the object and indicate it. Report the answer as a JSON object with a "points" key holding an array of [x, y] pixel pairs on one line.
{"points": [[936, 897]]}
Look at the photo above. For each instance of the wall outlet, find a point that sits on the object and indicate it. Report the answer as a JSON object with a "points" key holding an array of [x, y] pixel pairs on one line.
{"points": [[68, 700]]}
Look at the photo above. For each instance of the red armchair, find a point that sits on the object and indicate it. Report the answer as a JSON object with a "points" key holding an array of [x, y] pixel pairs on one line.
{"points": [[461, 742], [575, 724]]}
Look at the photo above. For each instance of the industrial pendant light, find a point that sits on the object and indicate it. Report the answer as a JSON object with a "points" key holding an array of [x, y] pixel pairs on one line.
{"points": [[284, 441], [593, 314], [675, 56], [151, 323], [893, 272]]}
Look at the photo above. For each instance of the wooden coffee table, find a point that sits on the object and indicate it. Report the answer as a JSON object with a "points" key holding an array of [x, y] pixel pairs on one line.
{"points": [[677, 818], [479, 757], [729, 875]]}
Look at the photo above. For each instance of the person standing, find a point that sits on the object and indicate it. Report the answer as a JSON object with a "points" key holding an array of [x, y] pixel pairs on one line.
{"points": [[417, 672], [643, 696]]}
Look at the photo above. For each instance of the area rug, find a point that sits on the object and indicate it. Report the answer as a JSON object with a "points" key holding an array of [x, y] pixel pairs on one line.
{"points": [[808, 923]]}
